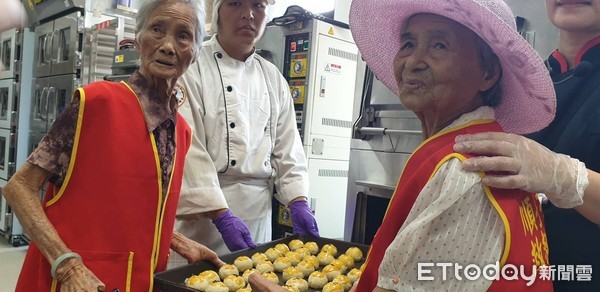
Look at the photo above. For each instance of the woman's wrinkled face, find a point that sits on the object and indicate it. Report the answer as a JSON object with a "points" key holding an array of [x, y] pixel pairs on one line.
{"points": [[437, 66], [580, 15], [167, 42]]}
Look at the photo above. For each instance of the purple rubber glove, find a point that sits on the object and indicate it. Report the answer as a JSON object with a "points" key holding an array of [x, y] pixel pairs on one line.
{"points": [[234, 231], [303, 220]]}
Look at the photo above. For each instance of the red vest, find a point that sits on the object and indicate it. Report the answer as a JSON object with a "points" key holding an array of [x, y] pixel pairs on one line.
{"points": [[525, 237], [110, 208]]}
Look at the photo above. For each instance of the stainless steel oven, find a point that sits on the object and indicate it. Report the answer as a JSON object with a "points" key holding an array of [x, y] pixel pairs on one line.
{"points": [[3, 214], [8, 96], [58, 45], [10, 42], [8, 141], [51, 95]]}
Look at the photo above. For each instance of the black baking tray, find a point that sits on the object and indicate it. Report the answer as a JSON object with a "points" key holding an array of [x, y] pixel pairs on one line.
{"points": [[173, 279]]}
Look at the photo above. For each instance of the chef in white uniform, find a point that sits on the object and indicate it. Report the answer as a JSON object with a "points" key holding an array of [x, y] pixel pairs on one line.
{"points": [[245, 138]]}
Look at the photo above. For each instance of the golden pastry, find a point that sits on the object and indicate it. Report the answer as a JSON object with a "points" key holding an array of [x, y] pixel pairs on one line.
{"points": [[271, 277], [330, 248], [333, 287], [217, 287], [227, 270], [362, 267], [294, 257], [347, 259], [313, 260], [282, 263], [282, 248], [257, 257], [245, 289], [234, 282], [299, 283], [247, 274], [340, 264], [243, 263], [290, 288], [344, 281], [354, 274], [291, 272], [303, 252], [317, 280], [265, 266], [211, 276], [355, 252], [324, 258], [312, 247], [197, 282], [331, 272], [295, 244], [272, 254], [306, 267]]}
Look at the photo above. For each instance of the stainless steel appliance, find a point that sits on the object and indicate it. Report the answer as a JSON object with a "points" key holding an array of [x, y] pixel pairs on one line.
{"points": [[384, 135], [10, 63], [58, 68], [47, 64], [318, 58]]}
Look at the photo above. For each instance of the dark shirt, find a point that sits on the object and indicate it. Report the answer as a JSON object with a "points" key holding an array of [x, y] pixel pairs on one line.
{"points": [[54, 150], [572, 239]]}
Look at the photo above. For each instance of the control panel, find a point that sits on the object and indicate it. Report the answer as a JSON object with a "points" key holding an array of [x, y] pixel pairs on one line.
{"points": [[296, 62]]}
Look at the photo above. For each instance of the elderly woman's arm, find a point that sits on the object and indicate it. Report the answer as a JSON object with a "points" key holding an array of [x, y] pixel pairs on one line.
{"points": [[192, 250], [532, 167], [22, 194]]}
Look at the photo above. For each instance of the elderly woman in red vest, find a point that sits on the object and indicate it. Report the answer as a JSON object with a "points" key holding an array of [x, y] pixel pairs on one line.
{"points": [[113, 162], [461, 67]]}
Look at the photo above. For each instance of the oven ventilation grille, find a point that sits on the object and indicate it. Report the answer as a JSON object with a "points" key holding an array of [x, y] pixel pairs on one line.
{"points": [[333, 173], [343, 54], [336, 123]]}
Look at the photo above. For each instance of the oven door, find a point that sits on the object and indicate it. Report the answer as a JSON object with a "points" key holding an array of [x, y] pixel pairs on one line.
{"points": [[7, 97], [3, 212], [43, 49], [39, 106], [4, 222], [60, 93], [8, 53], [66, 44], [7, 145]]}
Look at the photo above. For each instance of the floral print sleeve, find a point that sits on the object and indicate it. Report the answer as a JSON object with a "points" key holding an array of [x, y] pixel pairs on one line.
{"points": [[53, 152]]}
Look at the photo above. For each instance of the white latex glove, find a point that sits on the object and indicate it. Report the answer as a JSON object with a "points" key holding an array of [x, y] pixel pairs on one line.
{"points": [[525, 164]]}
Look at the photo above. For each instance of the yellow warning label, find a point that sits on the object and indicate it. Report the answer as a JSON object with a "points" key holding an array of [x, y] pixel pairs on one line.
{"points": [[330, 31], [119, 59]]}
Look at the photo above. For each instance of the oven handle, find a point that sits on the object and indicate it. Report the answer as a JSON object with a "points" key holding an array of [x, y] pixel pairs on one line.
{"points": [[51, 111], [42, 110], [45, 49], [51, 47], [385, 131]]}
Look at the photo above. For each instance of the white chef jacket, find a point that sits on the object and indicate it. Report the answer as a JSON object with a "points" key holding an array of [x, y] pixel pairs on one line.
{"points": [[475, 234], [245, 137]]}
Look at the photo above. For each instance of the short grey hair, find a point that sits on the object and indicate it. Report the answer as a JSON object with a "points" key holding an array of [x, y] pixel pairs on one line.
{"points": [[490, 62], [196, 5]]}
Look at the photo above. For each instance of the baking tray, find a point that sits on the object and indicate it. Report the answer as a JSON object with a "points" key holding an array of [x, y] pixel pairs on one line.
{"points": [[173, 279]]}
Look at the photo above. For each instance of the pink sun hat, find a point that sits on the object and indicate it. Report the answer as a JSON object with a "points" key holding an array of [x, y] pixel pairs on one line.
{"points": [[528, 98]]}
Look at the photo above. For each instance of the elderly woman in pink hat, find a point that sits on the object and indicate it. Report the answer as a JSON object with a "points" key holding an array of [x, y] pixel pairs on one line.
{"points": [[462, 68]]}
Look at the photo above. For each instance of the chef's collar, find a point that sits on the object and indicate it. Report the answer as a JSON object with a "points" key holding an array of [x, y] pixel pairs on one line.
{"points": [[220, 49], [557, 63]]}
